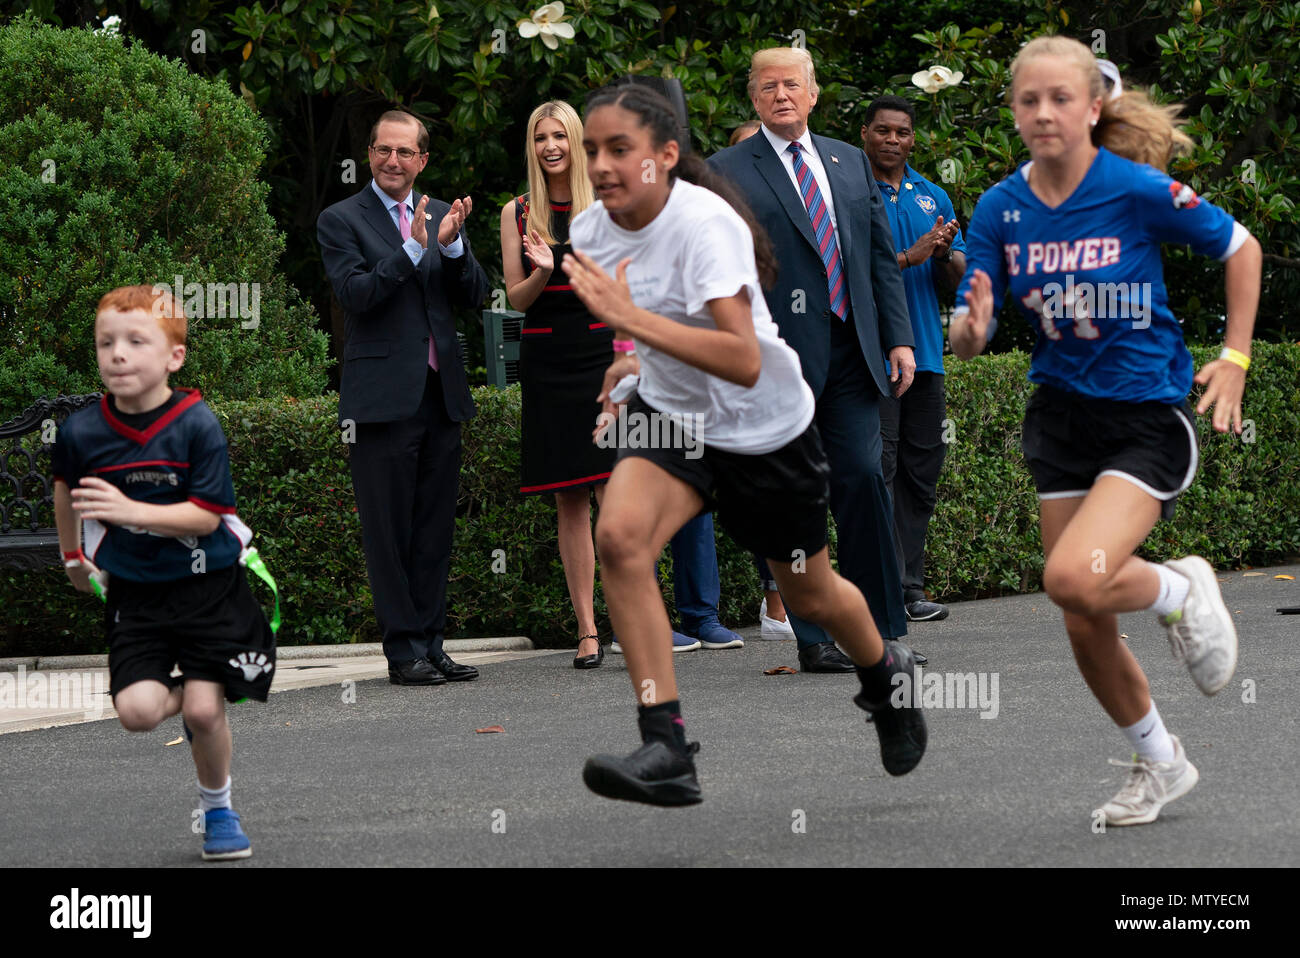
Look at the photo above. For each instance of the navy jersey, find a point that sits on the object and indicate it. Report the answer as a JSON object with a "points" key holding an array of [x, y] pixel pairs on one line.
{"points": [[1088, 276], [180, 457]]}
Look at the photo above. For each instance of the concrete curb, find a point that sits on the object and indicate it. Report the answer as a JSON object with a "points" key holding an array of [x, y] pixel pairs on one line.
{"points": [[507, 643]]}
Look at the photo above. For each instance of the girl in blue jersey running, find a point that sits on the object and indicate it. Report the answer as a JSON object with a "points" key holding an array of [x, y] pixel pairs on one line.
{"points": [[1075, 236]]}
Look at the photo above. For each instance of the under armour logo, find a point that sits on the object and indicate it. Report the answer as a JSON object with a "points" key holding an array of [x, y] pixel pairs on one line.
{"points": [[1011, 216], [252, 664]]}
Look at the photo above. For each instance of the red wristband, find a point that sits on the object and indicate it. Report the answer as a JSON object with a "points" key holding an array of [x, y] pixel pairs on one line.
{"points": [[624, 346], [68, 556]]}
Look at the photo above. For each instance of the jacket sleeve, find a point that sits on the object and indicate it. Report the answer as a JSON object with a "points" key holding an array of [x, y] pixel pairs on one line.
{"points": [[463, 280], [359, 286]]}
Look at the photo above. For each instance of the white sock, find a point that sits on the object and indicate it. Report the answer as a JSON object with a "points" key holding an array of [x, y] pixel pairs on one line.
{"points": [[1173, 591], [210, 798], [1150, 738]]}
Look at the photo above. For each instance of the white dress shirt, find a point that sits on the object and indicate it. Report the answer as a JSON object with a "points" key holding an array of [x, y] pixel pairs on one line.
{"points": [[814, 162]]}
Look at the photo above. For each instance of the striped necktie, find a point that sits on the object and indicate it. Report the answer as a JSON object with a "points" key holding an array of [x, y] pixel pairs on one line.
{"points": [[823, 230]]}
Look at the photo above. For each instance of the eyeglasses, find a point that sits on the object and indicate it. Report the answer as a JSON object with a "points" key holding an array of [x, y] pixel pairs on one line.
{"points": [[405, 155]]}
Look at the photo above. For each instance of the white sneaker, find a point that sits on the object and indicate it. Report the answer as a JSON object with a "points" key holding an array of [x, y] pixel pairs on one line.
{"points": [[1201, 632], [1150, 786], [772, 628]]}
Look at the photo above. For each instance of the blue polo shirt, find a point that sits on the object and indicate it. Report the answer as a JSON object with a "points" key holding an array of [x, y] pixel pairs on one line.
{"points": [[913, 210]]}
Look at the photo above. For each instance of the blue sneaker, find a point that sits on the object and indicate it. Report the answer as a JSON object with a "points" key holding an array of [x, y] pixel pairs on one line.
{"points": [[684, 643], [714, 636], [223, 839], [681, 643]]}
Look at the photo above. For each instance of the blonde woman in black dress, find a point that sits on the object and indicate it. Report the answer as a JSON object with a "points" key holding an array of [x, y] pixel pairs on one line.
{"points": [[563, 354]]}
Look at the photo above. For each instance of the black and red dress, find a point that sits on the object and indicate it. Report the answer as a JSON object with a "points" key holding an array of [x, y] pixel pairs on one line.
{"points": [[563, 354]]}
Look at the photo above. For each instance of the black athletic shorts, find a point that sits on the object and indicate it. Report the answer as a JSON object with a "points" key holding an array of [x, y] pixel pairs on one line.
{"points": [[772, 505], [1070, 440], [209, 624]]}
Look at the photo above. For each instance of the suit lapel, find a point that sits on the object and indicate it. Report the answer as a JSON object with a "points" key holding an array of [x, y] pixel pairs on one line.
{"points": [[380, 220], [838, 177], [772, 169]]}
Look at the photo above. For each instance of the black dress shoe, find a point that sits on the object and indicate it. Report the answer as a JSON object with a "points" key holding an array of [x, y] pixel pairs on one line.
{"points": [[824, 657], [454, 673], [654, 774], [901, 728], [415, 672], [590, 661]]}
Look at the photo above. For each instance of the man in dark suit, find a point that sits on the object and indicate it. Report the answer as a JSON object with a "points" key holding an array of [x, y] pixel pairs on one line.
{"points": [[839, 301], [404, 392]]}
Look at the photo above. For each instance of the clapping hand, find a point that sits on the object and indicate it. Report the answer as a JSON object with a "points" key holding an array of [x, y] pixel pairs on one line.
{"points": [[453, 221], [946, 233], [542, 256]]}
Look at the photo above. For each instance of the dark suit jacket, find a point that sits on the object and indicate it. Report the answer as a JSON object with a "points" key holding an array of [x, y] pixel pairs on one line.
{"points": [[391, 307], [866, 249]]}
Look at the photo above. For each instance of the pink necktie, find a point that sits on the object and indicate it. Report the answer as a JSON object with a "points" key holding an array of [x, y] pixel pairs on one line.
{"points": [[404, 224]]}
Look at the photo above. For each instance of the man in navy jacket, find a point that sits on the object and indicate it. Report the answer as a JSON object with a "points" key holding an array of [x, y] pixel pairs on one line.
{"points": [[839, 301], [404, 392]]}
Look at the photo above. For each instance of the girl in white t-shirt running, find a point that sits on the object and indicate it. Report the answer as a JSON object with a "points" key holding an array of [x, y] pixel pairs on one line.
{"points": [[721, 417]]}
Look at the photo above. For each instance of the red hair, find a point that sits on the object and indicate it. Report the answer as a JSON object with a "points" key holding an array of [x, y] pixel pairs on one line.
{"points": [[155, 300]]}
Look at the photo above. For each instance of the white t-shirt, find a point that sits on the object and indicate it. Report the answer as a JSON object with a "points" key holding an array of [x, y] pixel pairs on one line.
{"points": [[698, 248]]}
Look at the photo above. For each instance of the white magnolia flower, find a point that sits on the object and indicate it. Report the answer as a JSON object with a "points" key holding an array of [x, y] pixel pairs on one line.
{"points": [[936, 78], [547, 20]]}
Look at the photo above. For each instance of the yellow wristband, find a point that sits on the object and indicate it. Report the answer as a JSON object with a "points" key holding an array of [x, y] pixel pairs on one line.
{"points": [[1235, 357]]}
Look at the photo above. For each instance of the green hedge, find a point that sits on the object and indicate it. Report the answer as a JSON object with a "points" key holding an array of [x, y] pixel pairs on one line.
{"points": [[291, 474], [123, 168]]}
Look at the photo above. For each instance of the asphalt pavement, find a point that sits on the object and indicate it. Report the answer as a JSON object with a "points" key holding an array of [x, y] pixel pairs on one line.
{"points": [[362, 773]]}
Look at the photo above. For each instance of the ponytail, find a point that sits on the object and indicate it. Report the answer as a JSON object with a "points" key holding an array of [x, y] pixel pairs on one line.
{"points": [[1137, 129], [657, 114]]}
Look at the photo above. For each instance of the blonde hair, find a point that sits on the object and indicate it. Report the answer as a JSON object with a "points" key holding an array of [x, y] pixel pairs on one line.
{"points": [[1130, 125], [539, 194], [781, 57]]}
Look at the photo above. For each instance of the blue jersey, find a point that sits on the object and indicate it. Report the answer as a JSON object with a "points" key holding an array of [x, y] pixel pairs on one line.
{"points": [[913, 210], [1088, 276], [180, 457]]}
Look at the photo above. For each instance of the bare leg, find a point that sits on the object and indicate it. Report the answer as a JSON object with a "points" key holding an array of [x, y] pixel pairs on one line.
{"points": [[142, 705], [822, 596], [775, 608], [1092, 574], [643, 508], [205, 714], [578, 555]]}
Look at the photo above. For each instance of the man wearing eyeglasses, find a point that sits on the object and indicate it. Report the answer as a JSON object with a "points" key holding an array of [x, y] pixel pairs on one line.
{"points": [[404, 392]]}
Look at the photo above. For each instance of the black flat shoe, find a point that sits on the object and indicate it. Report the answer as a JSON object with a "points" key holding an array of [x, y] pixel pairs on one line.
{"points": [[451, 670], [590, 661]]}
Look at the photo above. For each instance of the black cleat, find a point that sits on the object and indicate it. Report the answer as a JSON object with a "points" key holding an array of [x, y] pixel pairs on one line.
{"points": [[901, 729], [653, 774]]}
